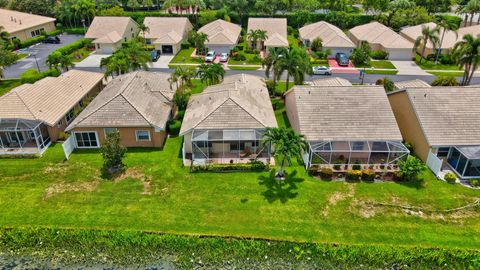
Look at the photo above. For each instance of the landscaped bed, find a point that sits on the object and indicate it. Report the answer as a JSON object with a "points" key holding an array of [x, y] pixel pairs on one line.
{"points": [[7, 85]]}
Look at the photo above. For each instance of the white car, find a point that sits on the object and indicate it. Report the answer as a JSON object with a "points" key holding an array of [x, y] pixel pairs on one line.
{"points": [[322, 70], [223, 57], [210, 56]]}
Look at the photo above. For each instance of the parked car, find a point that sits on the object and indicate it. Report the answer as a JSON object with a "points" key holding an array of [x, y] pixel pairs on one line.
{"points": [[322, 70], [223, 57], [210, 56], [342, 59], [155, 54], [52, 40]]}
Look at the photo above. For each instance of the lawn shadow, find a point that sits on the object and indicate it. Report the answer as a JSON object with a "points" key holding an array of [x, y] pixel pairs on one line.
{"points": [[416, 184], [278, 190]]}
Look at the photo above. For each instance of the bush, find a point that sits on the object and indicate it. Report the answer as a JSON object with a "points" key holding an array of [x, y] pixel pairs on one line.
{"points": [[326, 173], [240, 57], [368, 175], [32, 41], [174, 127], [270, 87], [446, 59], [254, 165], [445, 81], [450, 177], [32, 75], [475, 182], [353, 175], [317, 45], [337, 165], [54, 33], [379, 55], [180, 115], [74, 31], [185, 46], [361, 56], [388, 84], [357, 166], [70, 48]]}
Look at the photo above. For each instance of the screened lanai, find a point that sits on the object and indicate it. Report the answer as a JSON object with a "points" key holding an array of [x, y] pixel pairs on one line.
{"points": [[224, 146], [23, 136], [465, 161], [356, 152]]}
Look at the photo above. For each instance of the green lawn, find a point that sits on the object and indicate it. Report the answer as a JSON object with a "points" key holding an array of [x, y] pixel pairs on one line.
{"points": [[22, 55], [448, 73], [80, 54], [7, 85], [429, 65], [242, 68], [386, 72], [184, 56], [281, 85], [198, 86], [382, 64]]}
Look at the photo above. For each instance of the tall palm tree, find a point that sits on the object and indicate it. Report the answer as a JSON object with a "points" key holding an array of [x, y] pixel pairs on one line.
{"points": [[143, 29], [428, 35], [183, 75], [211, 74], [446, 25], [261, 36], [252, 37], [198, 40], [472, 7], [466, 54], [270, 64], [296, 63], [66, 62], [286, 145]]}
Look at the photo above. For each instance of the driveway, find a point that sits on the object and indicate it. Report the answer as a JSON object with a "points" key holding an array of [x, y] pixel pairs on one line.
{"points": [[92, 61], [39, 51], [350, 69], [409, 68], [163, 61]]}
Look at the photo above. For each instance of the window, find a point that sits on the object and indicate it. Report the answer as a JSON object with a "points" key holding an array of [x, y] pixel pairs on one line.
{"points": [[98, 46], [37, 32], [125, 39], [87, 139], [142, 135], [109, 130], [60, 124], [133, 35], [357, 146], [80, 103], [32, 33], [443, 151], [69, 116], [148, 41]]}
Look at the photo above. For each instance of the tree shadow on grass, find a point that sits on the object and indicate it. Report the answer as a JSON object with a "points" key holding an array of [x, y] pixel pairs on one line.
{"points": [[278, 190]]}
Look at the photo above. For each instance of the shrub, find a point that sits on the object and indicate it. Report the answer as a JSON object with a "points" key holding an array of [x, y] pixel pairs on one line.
{"points": [[240, 47], [185, 45], [249, 50], [337, 165], [475, 182], [317, 45], [379, 55], [32, 41], [54, 33], [174, 127], [32, 75], [270, 87], [254, 165], [388, 84], [357, 166], [113, 152], [70, 48], [326, 173], [446, 59], [411, 168], [368, 175], [74, 31], [361, 56], [240, 57], [256, 58], [445, 81], [180, 115], [353, 175], [62, 136], [450, 177]]}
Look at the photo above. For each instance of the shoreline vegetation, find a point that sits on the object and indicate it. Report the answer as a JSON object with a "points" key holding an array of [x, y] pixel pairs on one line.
{"points": [[129, 249]]}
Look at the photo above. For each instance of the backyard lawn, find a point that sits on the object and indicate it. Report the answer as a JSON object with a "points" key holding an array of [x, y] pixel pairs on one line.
{"points": [[184, 56], [80, 54], [382, 64], [7, 85]]}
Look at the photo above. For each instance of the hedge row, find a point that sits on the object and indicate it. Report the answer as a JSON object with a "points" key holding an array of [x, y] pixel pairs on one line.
{"points": [[70, 48], [132, 248], [254, 165], [74, 31], [32, 75]]}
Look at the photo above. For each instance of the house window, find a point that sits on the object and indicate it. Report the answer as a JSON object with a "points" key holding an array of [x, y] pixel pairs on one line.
{"points": [[86, 139], [109, 130], [125, 39], [133, 35], [80, 103], [37, 32], [443, 151], [98, 46], [60, 124], [142, 135], [148, 41], [69, 116], [32, 33]]}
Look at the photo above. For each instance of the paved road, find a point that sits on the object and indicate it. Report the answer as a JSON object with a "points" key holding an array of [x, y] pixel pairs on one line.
{"points": [[353, 78], [42, 51]]}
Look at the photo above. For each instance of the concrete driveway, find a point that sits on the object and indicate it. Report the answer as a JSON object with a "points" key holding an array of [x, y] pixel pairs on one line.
{"points": [[162, 62], [92, 61], [409, 68], [39, 51]]}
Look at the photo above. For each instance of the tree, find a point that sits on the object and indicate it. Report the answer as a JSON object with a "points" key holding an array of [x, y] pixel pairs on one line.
{"points": [[39, 7], [472, 7], [269, 7], [375, 5], [183, 75], [256, 35], [444, 81], [428, 35], [113, 152], [133, 4], [270, 64], [4, 35], [7, 58], [296, 63], [113, 11], [317, 44], [198, 41], [143, 29], [466, 54], [411, 168], [180, 99], [396, 6], [66, 62], [85, 9], [53, 59], [361, 55], [286, 144], [446, 25], [211, 74], [147, 3], [131, 56]]}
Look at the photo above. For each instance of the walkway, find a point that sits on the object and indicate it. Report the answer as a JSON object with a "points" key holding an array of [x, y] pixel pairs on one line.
{"points": [[409, 68]]}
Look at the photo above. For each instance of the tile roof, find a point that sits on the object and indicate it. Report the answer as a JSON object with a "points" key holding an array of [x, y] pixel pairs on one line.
{"points": [[105, 28], [344, 113], [240, 101], [332, 81], [167, 30], [410, 84], [377, 33], [136, 99], [331, 35], [112, 37], [276, 30], [14, 21], [49, 99], [221, 32], [448, 115]]}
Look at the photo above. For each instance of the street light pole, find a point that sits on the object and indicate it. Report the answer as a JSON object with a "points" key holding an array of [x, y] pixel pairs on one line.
{"points": [[36, 61], [84, 28]]}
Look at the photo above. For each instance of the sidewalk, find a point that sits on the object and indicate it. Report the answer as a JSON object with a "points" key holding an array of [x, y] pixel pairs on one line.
{"points": [[409, 68]]}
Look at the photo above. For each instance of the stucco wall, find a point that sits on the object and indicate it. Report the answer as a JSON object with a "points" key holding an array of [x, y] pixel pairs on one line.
{"points": [[26, 33], [128, 136]]}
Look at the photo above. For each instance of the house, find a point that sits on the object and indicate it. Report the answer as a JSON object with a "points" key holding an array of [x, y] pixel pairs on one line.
{"points": [[276, 29], [226, 122], [108, 33], [25, 26], [331, 81], [34, 115], [138, 105], [449, 39], [345, 125], [332, 37], [167, 33], [222, 36], [380, 37], [443, 126], [416, 83]]}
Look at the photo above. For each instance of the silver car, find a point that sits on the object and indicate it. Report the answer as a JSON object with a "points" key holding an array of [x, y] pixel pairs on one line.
{"points": [[210, 57], [223, 57], [322, 70]]}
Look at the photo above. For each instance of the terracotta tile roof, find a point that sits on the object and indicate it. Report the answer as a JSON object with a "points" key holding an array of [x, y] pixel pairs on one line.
{"points": [[167, 30], [221, 32], [105, 28], [276, 30], [377, 33], [331, 35]]}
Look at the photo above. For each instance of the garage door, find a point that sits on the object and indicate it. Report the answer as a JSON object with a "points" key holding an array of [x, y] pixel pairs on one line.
{"points": [[346, 51], [86, 139], [167, 49], [400, 54]]}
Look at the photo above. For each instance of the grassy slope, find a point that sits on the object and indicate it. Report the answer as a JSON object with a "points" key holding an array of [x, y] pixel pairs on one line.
{"points": [[7, 85]]}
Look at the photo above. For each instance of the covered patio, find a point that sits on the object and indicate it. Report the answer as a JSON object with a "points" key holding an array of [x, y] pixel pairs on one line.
{"points": [[229, 146], [21, 136], [465, 161]]}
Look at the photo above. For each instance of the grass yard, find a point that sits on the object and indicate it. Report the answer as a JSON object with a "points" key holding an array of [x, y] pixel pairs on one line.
{"points": [[198, 86], [22, 55], [184, 56], [382, 64], [447, 73], [7, 85], [80, 54], [429, 65], [280, 88], [385, 72], [243, 68]]}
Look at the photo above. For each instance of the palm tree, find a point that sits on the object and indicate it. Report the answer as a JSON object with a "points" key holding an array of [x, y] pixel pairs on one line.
{"points": [[66, 62], [211, 74], [270, 64], [252, 37], [296, 63], [143, 29], [183, 75], [262, 36], [147, 3], [199, 40], [137, 56], [466, 54], [446, 25], [472, 7], [133, 4], [7, 58], [286, 144], [53, 60], [428, 34]]}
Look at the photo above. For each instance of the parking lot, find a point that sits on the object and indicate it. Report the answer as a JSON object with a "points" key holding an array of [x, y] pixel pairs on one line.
{"points": [[40, 52]]}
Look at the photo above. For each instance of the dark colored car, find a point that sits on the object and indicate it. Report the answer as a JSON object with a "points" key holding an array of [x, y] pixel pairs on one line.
{"points": [[52, 40], [155, 55], [342, 59]]}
